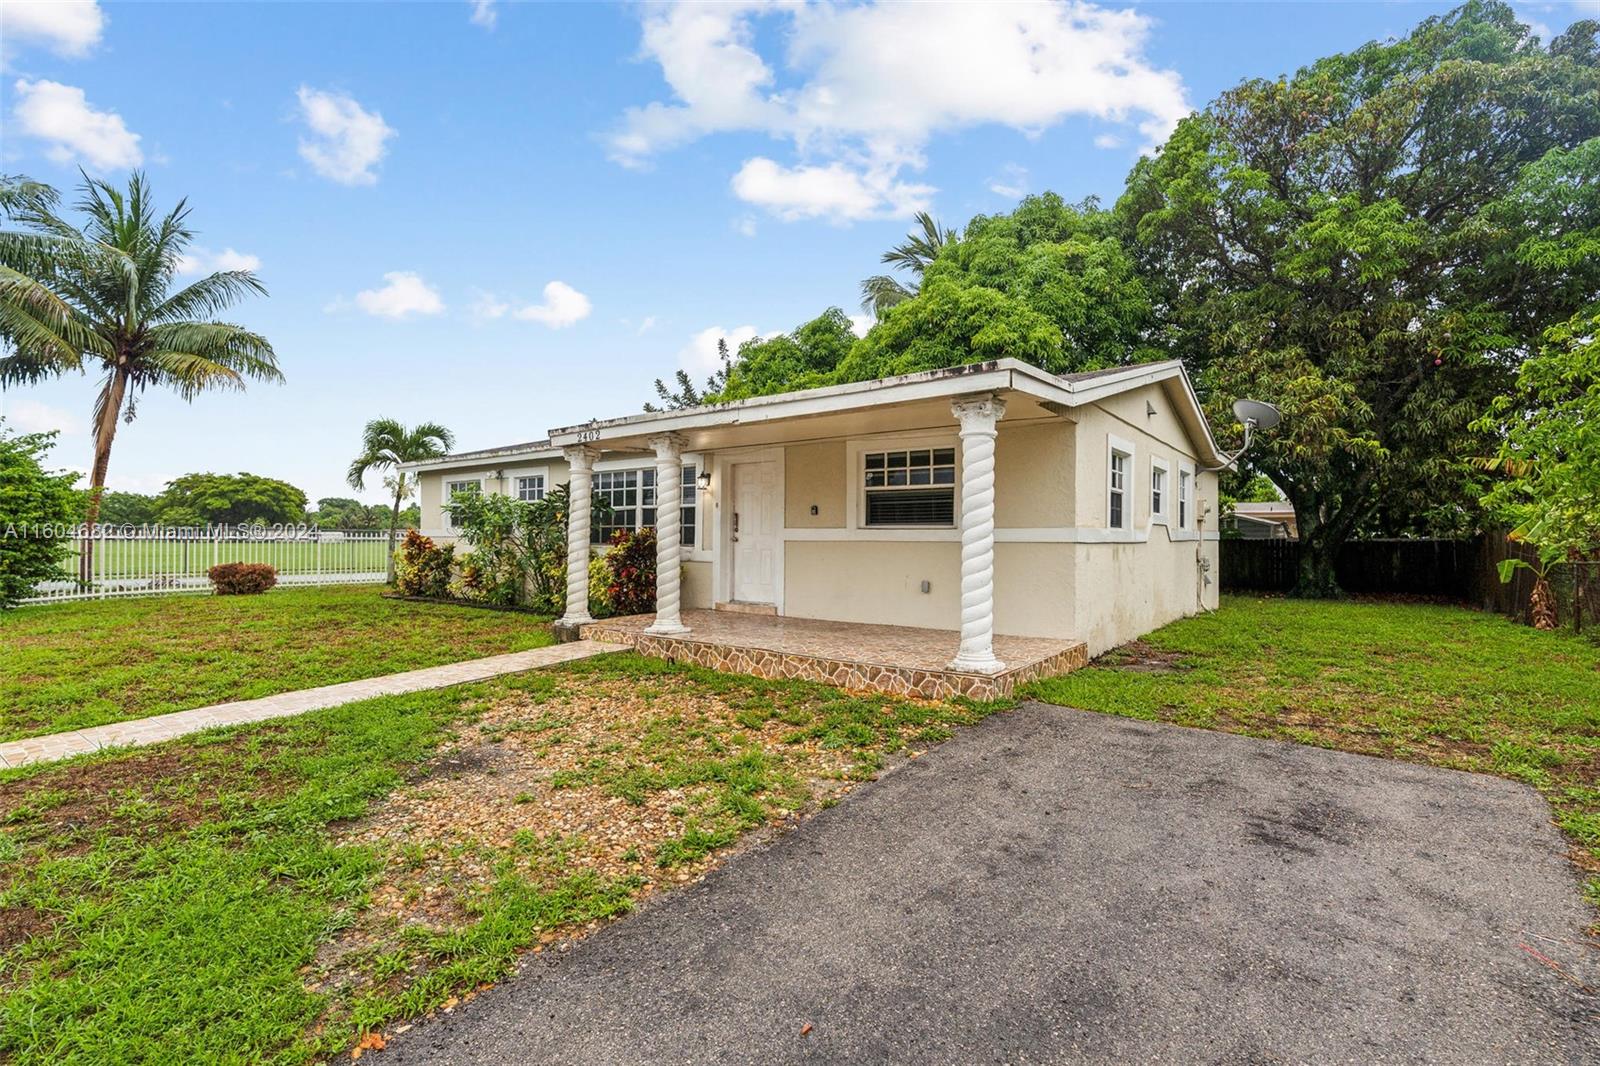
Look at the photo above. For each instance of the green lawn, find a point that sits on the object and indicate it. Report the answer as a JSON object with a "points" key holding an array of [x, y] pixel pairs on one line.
{"points": [[1439, 685], [67, 666], [193, 558], [268, 893]]}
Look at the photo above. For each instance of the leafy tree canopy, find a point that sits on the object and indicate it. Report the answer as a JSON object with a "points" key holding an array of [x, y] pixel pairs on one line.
{"points": [[128, 508], [806, 358], [230, 499], [1353, 243], [36, 504]]}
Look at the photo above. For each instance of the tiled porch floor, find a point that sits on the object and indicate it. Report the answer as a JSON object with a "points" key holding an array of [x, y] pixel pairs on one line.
{"points": [[902, 660]]}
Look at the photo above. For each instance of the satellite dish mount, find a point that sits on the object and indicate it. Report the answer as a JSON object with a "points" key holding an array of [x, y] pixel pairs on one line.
{"points": [[1254, 416]]}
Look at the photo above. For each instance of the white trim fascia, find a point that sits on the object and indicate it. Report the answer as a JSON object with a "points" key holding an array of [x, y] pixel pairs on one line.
{"points": [[487, 457]]}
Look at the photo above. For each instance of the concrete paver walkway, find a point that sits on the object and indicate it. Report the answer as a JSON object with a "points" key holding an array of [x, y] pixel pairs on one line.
{"points": [[166, 726]]}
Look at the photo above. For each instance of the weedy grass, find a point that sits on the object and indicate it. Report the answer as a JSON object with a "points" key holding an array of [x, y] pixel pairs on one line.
{"points": [[182, 902], [74, 665]]}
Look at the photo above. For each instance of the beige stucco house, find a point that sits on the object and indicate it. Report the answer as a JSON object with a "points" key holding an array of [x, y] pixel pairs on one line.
{"points": [[987, 499]]}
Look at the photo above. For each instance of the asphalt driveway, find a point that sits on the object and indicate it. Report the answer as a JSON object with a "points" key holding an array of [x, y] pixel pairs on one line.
{"points": [[1059, 886]]}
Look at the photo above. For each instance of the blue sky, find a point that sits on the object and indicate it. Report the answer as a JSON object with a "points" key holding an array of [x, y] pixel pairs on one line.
{"points": [[505, 217]]}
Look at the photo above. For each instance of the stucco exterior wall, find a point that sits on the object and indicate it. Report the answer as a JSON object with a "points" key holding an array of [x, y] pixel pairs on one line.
{"points": [[1033, 472], [430, 491], [814, 476], [874, 581], [1128, 583], [697, 584]]}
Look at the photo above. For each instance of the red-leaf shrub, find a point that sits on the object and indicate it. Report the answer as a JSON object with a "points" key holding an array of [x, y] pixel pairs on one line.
{"points": [[421, 567], [632, 563], [243, 579]]}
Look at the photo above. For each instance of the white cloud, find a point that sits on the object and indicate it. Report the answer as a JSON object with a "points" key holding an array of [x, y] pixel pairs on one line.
{"points": [[66, 27], [347, 141], [1012, 182], [700, 355], [406, 294], [563, 306], [646, 326], [60, 115], [203, 261], [484, 13], [31, 416], [745, 227], [859, 324], [834, 191], [1108, 140], [861, 89]]}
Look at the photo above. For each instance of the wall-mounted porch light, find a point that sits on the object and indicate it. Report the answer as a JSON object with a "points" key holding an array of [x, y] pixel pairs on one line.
{"points": [[704, 480]]}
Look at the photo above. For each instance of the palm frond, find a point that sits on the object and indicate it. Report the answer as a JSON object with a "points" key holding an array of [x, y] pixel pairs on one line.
{"points": [[881, 292], [208, 296]]}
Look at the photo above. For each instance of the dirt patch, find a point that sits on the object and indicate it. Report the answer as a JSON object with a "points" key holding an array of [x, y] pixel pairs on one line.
{"points": [[1143, 658], [536, 783], [172, 788], [19, 924]]}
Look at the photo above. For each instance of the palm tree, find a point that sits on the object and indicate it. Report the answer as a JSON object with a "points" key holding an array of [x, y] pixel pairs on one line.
{"points": [[99, 298], [387, 445], [881, 291]]}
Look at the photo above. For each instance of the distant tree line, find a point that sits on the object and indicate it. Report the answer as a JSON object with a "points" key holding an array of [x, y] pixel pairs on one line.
{"points": [[242, 499]]}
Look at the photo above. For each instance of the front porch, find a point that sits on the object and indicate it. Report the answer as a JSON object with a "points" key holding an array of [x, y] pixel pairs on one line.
{"points": [[899, 660]]}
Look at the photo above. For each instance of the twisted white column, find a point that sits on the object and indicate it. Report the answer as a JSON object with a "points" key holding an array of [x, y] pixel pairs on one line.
{"points": [[978, 417], [669, 534], [580, 491]]}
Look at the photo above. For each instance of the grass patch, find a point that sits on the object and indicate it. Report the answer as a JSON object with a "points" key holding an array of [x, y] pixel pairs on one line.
{"points": [[74, 665], [1443, 686], [268, 893]]}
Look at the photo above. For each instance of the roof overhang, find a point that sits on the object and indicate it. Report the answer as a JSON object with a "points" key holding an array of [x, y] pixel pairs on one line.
{"points": [[535, 450], [909, 401]]}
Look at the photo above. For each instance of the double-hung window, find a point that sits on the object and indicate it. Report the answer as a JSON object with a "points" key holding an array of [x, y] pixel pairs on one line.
{"points": [[1185, 498], [632, 496], [531, 488], [452, 489], [910, 487], [691, 500], [620, 489], [1117, 499], [1160, 491]]}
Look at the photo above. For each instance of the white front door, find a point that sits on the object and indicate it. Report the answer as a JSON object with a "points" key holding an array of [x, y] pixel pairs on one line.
{"points": [[753, 531]]}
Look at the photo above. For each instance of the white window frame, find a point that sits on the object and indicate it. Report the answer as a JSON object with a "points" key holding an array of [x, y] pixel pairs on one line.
{"points": [[1164, 468], [447, 493], [646, 471], [1115, 446], [515, 476], [858, 464], [1186, 495]]}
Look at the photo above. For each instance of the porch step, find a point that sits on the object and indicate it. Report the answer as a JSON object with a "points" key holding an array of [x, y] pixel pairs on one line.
{"points": [[735, 607]]}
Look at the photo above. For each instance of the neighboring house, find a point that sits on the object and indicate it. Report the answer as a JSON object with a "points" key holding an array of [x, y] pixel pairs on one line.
{"points": [[1263, 521], [994, 497]]}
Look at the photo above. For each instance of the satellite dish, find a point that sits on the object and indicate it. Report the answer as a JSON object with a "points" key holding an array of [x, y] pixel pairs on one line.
{"points": [[1256, 414]]}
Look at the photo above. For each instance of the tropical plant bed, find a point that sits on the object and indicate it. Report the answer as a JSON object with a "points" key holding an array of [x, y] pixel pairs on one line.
{"points": [[1445, 686], [275, 892], [75, 665]]}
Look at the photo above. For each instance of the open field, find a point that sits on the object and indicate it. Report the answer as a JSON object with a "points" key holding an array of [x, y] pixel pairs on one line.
{"points": [[71, 665], [270, 892], [1438, 685]]}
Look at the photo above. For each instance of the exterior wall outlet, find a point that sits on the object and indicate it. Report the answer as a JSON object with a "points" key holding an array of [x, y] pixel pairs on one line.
{"points": [[927, 586], [814, 509]]}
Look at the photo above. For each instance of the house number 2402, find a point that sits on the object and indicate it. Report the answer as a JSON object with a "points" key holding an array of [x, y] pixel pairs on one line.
{"points": [[587, 435]]}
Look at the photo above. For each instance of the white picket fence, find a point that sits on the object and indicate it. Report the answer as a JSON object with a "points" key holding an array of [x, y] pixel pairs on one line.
{"points": [[152, 561]]}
